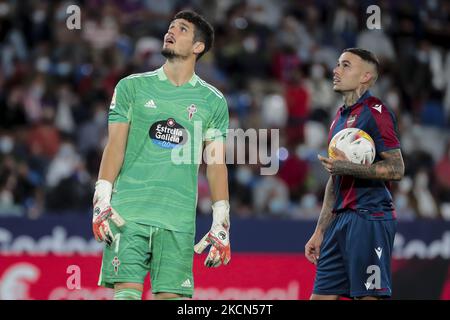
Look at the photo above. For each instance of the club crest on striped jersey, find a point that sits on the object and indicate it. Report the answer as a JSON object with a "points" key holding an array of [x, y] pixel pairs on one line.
{"points": [[191, 110], [351, 120]]}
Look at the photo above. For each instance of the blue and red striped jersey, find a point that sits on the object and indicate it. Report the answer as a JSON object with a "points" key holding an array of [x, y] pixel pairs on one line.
{"points": [[374, 117]]}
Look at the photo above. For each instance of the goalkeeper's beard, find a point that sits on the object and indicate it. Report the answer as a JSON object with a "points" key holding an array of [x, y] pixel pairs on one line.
{"points": [[171, 55]]}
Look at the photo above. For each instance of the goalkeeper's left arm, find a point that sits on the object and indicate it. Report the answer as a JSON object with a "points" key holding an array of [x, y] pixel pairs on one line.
{"points": [[219, 234]]}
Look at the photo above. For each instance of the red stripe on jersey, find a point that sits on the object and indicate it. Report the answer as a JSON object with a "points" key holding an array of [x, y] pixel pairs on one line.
{"points": [[348, 192], [347, 189], [377, 214]]}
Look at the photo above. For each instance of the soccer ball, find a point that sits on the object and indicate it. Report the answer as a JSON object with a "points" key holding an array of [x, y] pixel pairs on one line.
{"points": [[357, 145]]}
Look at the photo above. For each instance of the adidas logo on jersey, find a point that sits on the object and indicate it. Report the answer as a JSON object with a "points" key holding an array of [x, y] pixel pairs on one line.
{"points": [[150, 104], [186, 284]]}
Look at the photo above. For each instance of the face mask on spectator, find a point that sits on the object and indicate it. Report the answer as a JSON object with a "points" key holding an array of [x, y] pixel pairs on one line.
{"points": [[401, 201], [100, 118], [405, 185], [317, 72], [277, 206], [63, 68], [244, 175], [422, 180], [250, 44], [43, 64], [393, 100], [422, 56], [6, 144], [309, 201], [37, 90], [234, 123], [205, 205]]}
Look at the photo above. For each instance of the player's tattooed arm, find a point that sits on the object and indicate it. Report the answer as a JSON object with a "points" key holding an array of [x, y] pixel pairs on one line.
{"points": [[390, 168], [326, 215]]}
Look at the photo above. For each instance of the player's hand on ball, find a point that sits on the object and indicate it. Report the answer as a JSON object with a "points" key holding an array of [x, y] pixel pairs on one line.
{"points": [[328, 163], [103, 213], [218, 237], [339, 154]]}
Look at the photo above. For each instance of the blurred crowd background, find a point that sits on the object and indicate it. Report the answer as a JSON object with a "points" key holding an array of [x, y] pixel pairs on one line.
{"points": [[272, 59]]}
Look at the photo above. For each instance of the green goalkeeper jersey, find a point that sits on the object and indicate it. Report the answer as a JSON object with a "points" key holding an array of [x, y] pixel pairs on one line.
{"points": [[157, 183]]}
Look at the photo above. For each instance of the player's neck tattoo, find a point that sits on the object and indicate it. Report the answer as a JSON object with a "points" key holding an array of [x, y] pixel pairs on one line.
{"points": [[350, 98]]}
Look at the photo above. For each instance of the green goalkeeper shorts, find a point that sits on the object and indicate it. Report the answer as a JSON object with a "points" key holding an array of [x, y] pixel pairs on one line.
{"points": [[139, 249]]}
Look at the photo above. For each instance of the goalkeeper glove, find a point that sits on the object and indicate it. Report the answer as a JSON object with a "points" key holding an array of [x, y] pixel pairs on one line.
{"points": [[218, 236], [103, 212]]}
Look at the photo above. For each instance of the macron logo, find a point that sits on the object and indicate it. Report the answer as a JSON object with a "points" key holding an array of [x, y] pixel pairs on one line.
{"points": [[367, 285], [150, 104], [379, 251], [377, 107], [186, 284]]}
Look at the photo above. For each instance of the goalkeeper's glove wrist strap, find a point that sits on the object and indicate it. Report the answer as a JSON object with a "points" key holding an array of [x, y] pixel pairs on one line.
{"points": [[221, 211], [103, 189]]}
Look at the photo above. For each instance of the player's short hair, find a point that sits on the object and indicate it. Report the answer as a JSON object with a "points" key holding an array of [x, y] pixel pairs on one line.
{"points": [[367, 56], [203, 31]]}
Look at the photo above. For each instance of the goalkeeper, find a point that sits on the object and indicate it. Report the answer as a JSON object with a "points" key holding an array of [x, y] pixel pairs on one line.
{"points": [[145, 201]]}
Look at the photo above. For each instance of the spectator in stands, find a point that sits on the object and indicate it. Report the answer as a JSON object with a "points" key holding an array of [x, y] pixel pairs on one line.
{"points": [[55, 84], [442, 174]]}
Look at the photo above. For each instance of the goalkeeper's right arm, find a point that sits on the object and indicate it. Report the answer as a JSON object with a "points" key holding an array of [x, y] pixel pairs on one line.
{"points": [[114, 152], [110, 165]]}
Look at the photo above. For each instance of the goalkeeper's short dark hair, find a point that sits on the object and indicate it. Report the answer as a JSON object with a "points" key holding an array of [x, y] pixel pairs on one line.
{"points": [[203, 31]]}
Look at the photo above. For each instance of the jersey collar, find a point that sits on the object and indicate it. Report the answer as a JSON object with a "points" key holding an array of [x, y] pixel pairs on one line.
{"points": [[366, 95], [163, 77]]}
